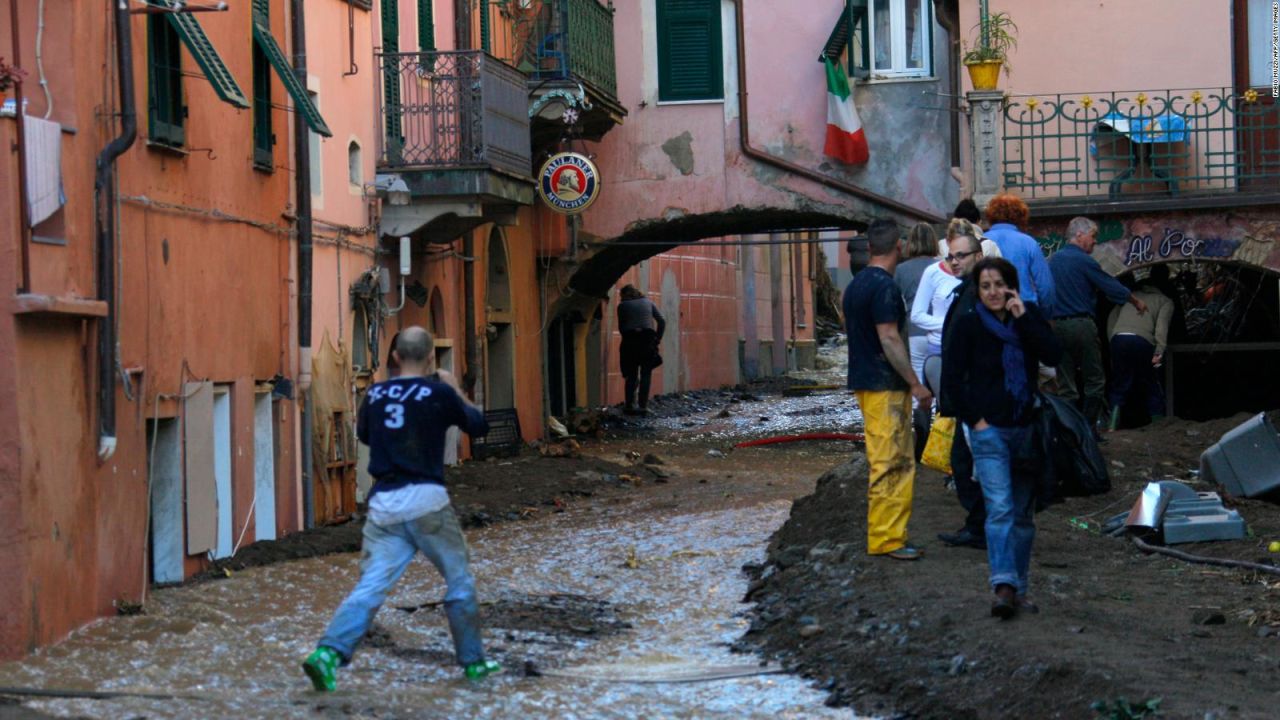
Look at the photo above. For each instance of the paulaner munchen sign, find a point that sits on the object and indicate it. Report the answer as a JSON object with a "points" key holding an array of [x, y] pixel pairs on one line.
{"points": [[569, 183]]}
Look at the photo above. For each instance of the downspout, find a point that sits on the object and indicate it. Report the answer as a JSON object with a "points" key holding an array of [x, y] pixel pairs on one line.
{"points": [[24, 239], [744, 131], [302, 189], [104, 196]]}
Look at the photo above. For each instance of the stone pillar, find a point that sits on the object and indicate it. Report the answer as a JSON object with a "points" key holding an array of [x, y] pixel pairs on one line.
{"points": [[986, 126]]}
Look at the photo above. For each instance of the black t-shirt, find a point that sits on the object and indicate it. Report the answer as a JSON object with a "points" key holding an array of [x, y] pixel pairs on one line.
{"points": [[872, 298], [404, 421]]}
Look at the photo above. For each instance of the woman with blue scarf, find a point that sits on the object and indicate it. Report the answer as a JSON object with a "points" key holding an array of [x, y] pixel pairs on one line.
{"points": [[989, 370]]}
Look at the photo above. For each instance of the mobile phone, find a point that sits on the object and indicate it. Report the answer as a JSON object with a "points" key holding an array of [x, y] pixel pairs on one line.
{"points": [[1008, 294]]}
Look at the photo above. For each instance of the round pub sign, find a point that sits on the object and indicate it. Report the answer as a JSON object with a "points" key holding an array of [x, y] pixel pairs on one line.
{"points": [[569, 183]]}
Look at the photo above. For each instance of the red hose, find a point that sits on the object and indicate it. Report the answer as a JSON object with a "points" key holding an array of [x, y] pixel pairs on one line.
{"points": [[852, 437]]}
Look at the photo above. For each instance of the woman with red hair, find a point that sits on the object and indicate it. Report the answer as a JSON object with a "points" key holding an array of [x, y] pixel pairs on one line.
{"points": [[1008, 214]]}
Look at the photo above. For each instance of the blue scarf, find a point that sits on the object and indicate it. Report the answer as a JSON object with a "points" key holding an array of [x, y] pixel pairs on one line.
{"points": [[1012, 357]]}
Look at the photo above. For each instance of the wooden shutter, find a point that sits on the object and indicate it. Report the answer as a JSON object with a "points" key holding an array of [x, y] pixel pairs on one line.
{"points": [[164, 91], [690, 58]]}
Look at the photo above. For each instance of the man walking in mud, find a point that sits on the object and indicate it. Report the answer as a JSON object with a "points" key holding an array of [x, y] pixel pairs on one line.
{"points": [[881, 377], [404, 421]]}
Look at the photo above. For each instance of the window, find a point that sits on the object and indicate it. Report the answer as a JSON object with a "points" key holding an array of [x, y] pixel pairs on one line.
{"points": [[355, 171], [900, 38], [690, 59], [263, 138], [165, 111], [1259, 43]]}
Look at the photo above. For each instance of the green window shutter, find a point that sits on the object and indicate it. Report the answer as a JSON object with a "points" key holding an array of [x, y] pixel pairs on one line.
{"points": [[263, 138], [426, 26], [391, 77], [690, 59], [267, 44], [192, 35], [390, 27], [165, 111]]}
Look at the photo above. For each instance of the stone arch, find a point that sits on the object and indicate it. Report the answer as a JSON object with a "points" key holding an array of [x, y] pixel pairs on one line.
{"points": [[601, 264]]}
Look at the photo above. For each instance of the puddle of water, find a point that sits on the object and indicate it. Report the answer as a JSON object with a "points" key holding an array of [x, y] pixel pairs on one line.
{"points": [[234, 645]]}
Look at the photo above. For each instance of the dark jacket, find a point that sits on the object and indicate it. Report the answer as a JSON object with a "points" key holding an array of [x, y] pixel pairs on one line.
{"points": [[972, 368]]}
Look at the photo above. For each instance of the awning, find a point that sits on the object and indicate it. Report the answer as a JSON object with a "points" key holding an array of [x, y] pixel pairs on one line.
{"points": [[265, 42], [192, 35]]}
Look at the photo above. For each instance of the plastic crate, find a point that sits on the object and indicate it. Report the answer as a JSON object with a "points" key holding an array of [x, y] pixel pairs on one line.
{"points": [[503, 438]]}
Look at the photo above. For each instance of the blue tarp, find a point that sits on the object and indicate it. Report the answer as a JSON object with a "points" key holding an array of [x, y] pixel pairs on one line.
{"points": [[1163, 128]]}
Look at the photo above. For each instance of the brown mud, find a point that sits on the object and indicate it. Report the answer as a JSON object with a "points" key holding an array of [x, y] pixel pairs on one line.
{"points": [[916, 640]]}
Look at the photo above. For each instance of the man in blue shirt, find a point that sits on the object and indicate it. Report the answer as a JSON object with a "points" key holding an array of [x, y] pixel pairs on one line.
{"points": [[1007, 213], [404, 421], [881, 377], [1079, 279]]}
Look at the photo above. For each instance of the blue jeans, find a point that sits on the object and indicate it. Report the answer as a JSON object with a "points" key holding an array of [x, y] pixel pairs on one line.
{"points": [[1009, 500], [387, 553]]}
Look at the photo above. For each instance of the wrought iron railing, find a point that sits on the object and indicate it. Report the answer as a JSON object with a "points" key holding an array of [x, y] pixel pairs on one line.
{"points": [[550, 39], [1141, 144], [453, 109]]}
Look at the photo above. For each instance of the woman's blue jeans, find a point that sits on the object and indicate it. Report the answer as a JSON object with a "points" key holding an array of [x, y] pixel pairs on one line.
{"points": [[387, 553], [1010, 502]]}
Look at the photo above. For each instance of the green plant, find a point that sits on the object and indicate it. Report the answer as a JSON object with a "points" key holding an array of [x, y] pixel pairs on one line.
{"points": [[1122, 709], [996, 36]]}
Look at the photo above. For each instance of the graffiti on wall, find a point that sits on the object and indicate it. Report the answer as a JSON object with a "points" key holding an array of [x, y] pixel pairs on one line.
{"points": [[1177, 245], [1108, 230]]}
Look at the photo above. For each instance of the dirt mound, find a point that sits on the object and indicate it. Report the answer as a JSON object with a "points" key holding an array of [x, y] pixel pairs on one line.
{"points": [[916, 639]]}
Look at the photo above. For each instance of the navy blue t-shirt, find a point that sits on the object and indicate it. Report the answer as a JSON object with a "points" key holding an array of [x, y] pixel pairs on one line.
{"points": [[872, 298], [404, 421]]}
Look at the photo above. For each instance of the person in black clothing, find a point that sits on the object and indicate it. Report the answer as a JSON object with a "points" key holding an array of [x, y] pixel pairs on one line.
{"points": [[989, 369], [964, 252], [641, 325]]}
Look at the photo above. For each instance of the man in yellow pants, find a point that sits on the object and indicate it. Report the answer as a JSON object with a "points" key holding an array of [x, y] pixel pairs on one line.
{"points": [[881, 377]]}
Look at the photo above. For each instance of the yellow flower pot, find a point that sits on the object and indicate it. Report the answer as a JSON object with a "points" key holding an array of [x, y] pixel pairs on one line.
{"points": [[984, 75]]}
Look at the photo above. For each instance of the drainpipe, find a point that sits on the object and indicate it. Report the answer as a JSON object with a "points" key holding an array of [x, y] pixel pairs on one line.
{"points": [[744, 131], [20, 117], [302, 189], [104, 196]]}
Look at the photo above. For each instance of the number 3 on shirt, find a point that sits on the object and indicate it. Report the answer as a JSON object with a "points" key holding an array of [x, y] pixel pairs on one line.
{"points": [[395, 416]]}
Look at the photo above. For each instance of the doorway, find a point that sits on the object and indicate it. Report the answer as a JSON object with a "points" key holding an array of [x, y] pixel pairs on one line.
{"points": [[164, 447], [500, 346]]}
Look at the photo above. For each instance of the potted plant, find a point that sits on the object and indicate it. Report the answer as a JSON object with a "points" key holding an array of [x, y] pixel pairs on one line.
{"points": [[9, 75], [997, 35]]}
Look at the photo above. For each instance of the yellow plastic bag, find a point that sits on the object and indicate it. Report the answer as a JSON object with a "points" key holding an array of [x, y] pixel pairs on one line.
{"points": [[937, 451]]}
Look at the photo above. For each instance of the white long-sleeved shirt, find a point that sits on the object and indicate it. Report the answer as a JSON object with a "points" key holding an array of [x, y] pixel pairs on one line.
{"points": [[933, 298]]}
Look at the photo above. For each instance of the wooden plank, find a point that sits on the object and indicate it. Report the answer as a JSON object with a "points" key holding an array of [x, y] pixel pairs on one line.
{"points": [[31, 304], [201, 484]]}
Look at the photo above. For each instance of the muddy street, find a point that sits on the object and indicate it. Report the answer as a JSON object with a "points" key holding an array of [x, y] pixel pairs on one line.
{"points": [[625, 604]]}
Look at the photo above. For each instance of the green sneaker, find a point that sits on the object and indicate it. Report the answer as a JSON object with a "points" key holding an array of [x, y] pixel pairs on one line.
{"points": [[481, 670], [322, 667]]}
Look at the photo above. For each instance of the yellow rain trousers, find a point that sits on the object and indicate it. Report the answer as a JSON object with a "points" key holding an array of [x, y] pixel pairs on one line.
{"points": [[886, 417]]}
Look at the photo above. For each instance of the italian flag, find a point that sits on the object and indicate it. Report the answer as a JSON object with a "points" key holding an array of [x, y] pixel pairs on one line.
{"points": [[845, 140]]}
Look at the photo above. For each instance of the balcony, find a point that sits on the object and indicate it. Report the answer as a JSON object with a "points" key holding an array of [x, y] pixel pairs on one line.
{"points": [[1140, 150], [456, 131], [565, 48]]}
